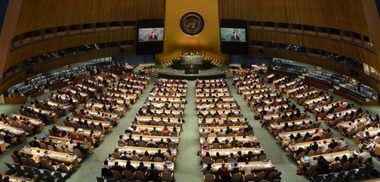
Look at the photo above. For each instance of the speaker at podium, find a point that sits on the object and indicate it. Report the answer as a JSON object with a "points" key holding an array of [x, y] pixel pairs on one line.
{"points": [[191, 69], [192, 62]]}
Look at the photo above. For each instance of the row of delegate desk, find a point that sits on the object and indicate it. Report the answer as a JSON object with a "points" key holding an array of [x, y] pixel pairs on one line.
{"points": [[33, 117], [148, 149], [323, 102], [230, 150], [295, 131], [37, 114], [347, 119], [58, 154]]}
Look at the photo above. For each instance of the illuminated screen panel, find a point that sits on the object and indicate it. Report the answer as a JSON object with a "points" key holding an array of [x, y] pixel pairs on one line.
{"points": [[151, 34], [233, 37], [233, 34], [150, 37]]}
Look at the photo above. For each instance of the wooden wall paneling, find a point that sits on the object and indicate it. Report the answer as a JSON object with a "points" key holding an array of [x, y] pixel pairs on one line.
{"points": [[373, 23], [69, 41], [316, 42], [69, 12], [342, 14], [8, 30], [44, 67]]}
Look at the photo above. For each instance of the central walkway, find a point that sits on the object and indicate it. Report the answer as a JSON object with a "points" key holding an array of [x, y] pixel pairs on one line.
{"points": [[188, 163]]}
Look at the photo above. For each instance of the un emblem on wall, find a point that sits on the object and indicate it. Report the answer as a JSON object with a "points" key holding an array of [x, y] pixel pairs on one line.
{"points": [[192, 23]]}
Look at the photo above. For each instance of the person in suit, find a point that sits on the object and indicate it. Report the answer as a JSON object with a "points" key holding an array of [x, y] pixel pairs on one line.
{"points": [[153, 35], [323, 165], [106, 170], [208, 169], [153, 173], [234, 36], [223, 173], [116, 167], [141, 167], [34, 142], [129, 167]]}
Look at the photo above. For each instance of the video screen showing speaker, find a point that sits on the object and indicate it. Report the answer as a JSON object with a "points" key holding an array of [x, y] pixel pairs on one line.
{"points": [[233, 35], [150, 36]]}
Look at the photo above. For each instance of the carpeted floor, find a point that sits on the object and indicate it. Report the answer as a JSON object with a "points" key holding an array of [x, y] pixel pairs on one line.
{"points": [[188, 167], [187, 164]]}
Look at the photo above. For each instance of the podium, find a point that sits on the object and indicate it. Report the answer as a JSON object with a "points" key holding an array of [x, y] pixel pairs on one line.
{"points": [[191, 69]]}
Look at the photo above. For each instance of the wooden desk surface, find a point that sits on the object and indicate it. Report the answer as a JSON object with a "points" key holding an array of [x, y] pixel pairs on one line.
{"points": [[56, 139], [287, 134], [218, 105], [311, 131], [175, 100], [102, 114], [330, 156], [228, 151], [217, 128], [290, 91], [85, 132], [296, 146], [296, 122], [3, 146], [330, 116], [73, 91], [142, 150], [149, 137], [224, 98], [161, 104], [127, 97], [159, 128], [346, 124], [165, 119], [211, 120], [250, 91], [16, 178], [11, 129], [65, 97], [31, 120], [213, 94], [377, 150], [59, 105], [372, 132], [96, 122], [42, 111], [54, 155], [326, 106], [165, 111], [270, 108], [255, 165], [279, 80], [86, 87], [101, 105], [267, 101], [316, 99], [311, 92], [230, 138]]}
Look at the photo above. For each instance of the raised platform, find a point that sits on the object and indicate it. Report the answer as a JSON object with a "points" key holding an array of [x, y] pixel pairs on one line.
{"points": [[213, 73]]}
